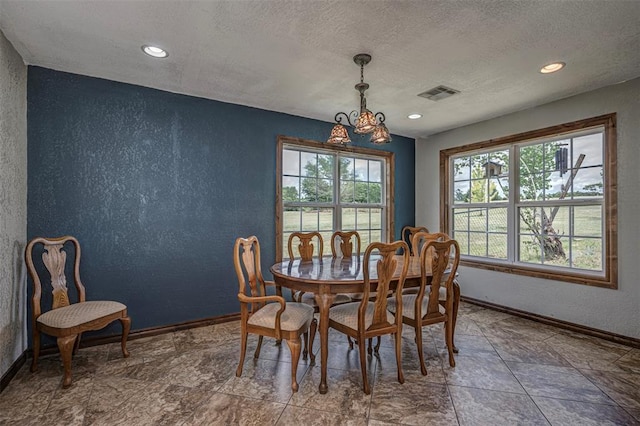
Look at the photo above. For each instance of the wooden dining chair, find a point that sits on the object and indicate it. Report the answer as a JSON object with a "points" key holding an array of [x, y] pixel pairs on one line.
{"points": [[66, 320], [441, 258], [419, 240], [305, 245], [280, 320], [342, 244], [370, 318], [407, 235]]}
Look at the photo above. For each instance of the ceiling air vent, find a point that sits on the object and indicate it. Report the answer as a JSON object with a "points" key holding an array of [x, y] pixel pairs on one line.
{"points": [[438, 93]]}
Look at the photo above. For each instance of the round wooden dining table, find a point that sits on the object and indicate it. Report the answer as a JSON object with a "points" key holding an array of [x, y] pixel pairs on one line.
{"points": [[327, 276]]}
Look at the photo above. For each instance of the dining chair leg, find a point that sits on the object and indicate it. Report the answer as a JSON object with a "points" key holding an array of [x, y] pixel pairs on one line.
{"points": [[376, 349], [65, 345], [126, 326], [448, 329], [243, 351], [305, 346], [257, 353], [350, 342], [363, 366], [36, 351], [294, 346], [312, 336], [456, 305], [398, 337], [423, 366]]}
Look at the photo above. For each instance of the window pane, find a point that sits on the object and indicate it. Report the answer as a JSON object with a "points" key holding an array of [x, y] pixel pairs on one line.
{"points": [[362, 219], [309, 219], [587, 253], [497, 219], [325, 221], [531, 186], [291, 219], [309, 164], [361, 192], [461, 219], [375, 171], [462, 192], [477, 244], [479, 191], [557, 220], [587, 221], [309, 190], [463, 241], [376, 219], [499, 188], [589, 183], [290, 189], [478, 219], [461, 169], [591, 147], [325, 190], [325, 166], [346, 191], [555, 186], [361, 170], [530, 251], [375, 193], [348, 219], [290, 162], [346, 168], [497, 247]]}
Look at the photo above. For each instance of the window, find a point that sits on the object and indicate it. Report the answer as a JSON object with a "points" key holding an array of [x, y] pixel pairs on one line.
{"points": [[540, 203], [325, 188]]}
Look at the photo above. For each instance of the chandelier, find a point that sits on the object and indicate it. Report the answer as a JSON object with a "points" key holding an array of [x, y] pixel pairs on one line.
{"points": [[365, 121]]}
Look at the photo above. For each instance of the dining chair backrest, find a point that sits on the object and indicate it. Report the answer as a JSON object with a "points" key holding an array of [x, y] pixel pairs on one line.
{"points": [[305, 245], [441, 258], [246, 260], [342, 245], [407, 235], [420, 239], [386, 267]]}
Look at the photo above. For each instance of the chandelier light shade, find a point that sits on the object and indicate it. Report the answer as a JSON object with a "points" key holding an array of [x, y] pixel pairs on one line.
{"points": [[339, 135], [364, 122]]}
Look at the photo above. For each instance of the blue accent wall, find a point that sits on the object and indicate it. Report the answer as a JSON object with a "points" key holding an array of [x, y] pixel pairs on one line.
{"points": [[157, 186]]}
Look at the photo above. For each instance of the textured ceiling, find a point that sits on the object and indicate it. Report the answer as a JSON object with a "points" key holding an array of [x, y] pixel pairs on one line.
{"points": [[296, 56]]}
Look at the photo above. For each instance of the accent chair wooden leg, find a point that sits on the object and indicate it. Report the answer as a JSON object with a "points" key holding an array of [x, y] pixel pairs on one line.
{"points": [[294, 346], [398, 337], [363, 365], [36, 351], [243, 351], [65, 344], [126, 326], [76, 346], [257, 352], [312, 336], [456, 305]]}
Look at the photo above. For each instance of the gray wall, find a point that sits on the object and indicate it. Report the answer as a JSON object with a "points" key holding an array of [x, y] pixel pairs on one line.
{"points": [[13, 202], [616, 311]]}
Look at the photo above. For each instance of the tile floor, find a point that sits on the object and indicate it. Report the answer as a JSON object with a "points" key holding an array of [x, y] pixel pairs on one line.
{"points": [[509, 371]]}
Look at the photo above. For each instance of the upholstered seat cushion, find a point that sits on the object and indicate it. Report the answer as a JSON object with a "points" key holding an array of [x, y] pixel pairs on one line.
{"points": [[409, 303], [295, 316], [309, 299], [79, 313], [347, 314]]}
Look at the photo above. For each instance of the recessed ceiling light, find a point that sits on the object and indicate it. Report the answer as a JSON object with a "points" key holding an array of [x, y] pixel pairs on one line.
{"points": [[154, 51], [414, 116], [553, 67]]}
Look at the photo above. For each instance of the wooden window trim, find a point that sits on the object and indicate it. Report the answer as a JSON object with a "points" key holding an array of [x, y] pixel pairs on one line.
{"points": [[610, 278], [389, 176]]}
